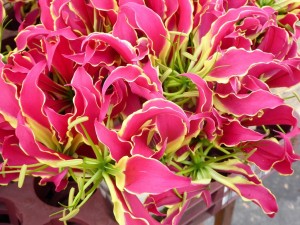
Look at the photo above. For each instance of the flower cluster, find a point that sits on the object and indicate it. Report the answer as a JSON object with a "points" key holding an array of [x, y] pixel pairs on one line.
{"points": [[158, 99]]}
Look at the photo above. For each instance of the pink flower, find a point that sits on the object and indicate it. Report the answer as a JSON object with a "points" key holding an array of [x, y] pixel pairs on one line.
{"points": [[158, 98], [156, 129], [127, 206], [141, 176], [174, 200], [135, 17], [248, 187], [78, 15], [225, 33], [15, 156]]}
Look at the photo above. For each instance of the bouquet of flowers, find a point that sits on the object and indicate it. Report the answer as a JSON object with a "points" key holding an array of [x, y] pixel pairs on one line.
{"points": [[158, 99]]}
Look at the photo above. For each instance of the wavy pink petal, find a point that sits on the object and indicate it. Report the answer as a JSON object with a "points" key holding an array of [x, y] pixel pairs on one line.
{"points": [[236, 40], [131, 219], [281, 115], [197, 122], [235, 166], [248, 190], [142, 47], [6, 130], [259, 195], [179, 17], [30, 88], [278, 74], [234, 4], [129, 209], [104, 4], [56, 47], [83, 10], [266, 154], [170, 127], [141, 147], [14, 155], [247, 104], [205, 93], [172, 198], [139, 82], [91, 54], [225, 24], [138, 210], [46, 17], [7, 178], [19, 64], [31, 147], [171, 8], [285, 166], [86, 101], [124, 48], [153, 74], [234, 133], [32, 36], [118, 148], [158, 6], [175, 216], [275, 41], [146, 175], [289, 19], [58, 122], [205, 122], [251, 83], [29, 19], [123, 30], [236, 62], [185, 16], [167, 123], [288, 77], [150, 111], [248, 25], [9, 105], [60, 180], [149, 22]]}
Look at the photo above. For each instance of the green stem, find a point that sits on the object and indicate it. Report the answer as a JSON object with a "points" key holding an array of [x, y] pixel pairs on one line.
{"points": [[188, 94], [222, 149], [111, 170], [29, 172], [175, 165], [219, 158], [179, 92], [182, 102], [2, 28], [208, 148], [296, 95], [96, 179], [172, 83], [181, 69], [182, 172], [95, 149], [280, 128], [186, 163], [28, 166]]}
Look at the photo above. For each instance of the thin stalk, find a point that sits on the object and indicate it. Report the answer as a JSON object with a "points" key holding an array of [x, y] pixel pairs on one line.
{"points": [[95, 149], [219, 158]]}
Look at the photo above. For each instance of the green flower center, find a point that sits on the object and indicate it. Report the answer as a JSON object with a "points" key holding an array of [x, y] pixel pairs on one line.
{"points": [[186, 54]]}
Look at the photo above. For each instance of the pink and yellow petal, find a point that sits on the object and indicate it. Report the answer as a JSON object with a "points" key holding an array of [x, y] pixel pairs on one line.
{"points": [[143, 174], [249, 191]]}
